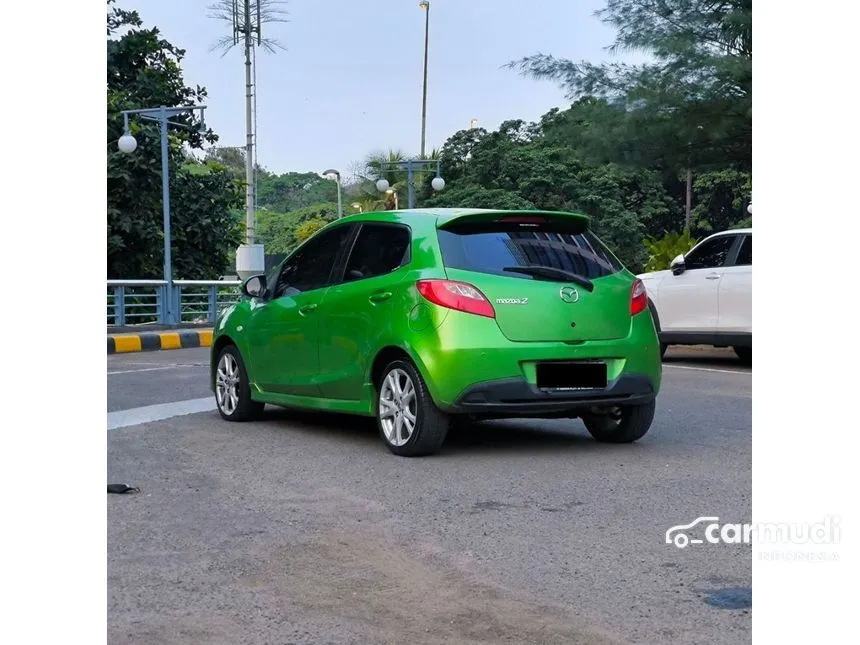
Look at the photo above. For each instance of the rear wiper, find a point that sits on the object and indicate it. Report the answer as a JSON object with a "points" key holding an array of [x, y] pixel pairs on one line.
{"points": [[553, 273]]}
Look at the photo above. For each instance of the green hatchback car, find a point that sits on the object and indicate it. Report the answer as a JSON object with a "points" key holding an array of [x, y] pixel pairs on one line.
{"points": [[421, 318]]}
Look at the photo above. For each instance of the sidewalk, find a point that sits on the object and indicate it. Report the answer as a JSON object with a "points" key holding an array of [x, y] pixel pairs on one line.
{"points": [[164, 338]]}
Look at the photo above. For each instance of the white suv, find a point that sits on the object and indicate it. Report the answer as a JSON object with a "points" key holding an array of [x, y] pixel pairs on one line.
{"points": [[705, 297]]}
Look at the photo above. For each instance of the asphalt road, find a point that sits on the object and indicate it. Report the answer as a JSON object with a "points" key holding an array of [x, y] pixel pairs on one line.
{"points": [[305, 529]]}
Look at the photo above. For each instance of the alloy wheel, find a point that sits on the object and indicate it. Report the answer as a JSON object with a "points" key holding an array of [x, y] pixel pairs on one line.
{"points": [[398, 407], [227, 384]]}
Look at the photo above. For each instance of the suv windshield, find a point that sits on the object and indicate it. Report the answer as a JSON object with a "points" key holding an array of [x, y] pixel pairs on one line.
{"points": [[502, 252]]}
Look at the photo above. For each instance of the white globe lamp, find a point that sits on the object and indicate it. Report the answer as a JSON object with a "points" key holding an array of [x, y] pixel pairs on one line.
{"points": [[382, 185], [438, 183], [127, 144]]}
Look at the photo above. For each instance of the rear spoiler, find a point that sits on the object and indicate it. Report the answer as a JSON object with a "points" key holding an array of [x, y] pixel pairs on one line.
{"points": [[483, 219]]}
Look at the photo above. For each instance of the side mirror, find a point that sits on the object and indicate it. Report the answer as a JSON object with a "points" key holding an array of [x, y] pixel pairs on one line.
{"points": [[677, 265], [255, 286]]}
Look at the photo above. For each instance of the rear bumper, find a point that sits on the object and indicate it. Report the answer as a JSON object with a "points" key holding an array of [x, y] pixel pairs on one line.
{"points": [[517, 397], [468, 364]]}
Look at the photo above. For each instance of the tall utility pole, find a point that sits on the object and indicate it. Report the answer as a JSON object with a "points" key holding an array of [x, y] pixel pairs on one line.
{"points": [[248, 27], [246, 18], [426, 6]]}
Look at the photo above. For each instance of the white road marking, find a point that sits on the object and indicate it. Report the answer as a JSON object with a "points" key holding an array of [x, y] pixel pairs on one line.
{"points": [[149, 413], [147, 369], [707, 369]]}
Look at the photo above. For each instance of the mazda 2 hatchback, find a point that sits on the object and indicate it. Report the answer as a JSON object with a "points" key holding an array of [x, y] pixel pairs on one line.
{"points": [[423, 317]]}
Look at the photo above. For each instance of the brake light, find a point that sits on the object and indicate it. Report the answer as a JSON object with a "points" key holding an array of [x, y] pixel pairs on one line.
{"points": [[638, 298], [459, 296], [522, 219]]}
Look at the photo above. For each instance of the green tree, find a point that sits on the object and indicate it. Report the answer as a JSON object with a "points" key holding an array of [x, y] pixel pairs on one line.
{"points": [[479, 197], [662, 251], [294, 190], [210, 224], [721, 198], [308, 228], [520, 166], [143, 70], [700, 75], [278, 232]]}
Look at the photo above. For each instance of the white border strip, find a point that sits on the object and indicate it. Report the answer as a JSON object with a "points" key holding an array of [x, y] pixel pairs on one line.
{"points": [[149, 413], [707, 369]]}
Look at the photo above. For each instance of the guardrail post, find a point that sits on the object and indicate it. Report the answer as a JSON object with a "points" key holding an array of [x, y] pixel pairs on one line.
{"points": [[159, 304], [119, 306], [213, 303], [177, 308]]}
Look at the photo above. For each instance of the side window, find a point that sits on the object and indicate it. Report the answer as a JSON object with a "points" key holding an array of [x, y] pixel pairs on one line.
{"points": [[378, 249], [745, 254], [711, 254], [310, 268]]}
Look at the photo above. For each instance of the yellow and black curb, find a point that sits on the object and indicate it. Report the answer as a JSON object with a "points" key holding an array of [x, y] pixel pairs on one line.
{"points": [[157, 340]]}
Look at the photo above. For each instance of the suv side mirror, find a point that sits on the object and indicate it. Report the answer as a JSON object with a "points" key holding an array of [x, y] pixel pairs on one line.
{"points": [[677, 265], [255, 286]]}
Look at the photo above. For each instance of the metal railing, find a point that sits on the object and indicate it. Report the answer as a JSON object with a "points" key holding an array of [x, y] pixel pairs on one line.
{"points": [[142, 302]]}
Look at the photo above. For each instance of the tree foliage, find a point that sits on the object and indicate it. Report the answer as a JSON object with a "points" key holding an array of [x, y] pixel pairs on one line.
{"points": [[308, 228], [294, 190], [661, 251], [279, 232], [699, 74], [527, 166], [143, 70]]}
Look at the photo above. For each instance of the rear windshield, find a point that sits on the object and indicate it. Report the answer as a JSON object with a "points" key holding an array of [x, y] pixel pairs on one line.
{"points": [[492, 251]]}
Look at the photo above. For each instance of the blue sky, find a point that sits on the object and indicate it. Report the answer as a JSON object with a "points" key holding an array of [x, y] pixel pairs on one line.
{"points": [[349, 81]]}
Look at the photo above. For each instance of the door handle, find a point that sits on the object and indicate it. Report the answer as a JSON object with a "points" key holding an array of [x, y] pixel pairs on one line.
{"points": [[380, 297], [712, 277], [304, 311]]}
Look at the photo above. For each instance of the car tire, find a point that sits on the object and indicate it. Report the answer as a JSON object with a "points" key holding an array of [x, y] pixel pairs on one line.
{"points": [[628, 423], [233, 389], [744, 353], [409, 422]]}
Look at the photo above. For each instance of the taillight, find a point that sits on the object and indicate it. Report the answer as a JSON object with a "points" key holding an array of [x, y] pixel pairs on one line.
{"points": [[638, 298], [460, 296], [523, 219]]}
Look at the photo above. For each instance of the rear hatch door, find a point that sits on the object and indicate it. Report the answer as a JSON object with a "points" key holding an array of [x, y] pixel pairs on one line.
{"points": [[547, 276]]}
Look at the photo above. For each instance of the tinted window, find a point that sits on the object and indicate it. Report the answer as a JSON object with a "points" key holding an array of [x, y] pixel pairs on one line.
{"points": [[745, 254], [311, 267], [379, 249], [494, 251], [710, 254]]}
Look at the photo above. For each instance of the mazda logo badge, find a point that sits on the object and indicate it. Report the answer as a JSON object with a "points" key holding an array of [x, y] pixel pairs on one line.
{"points": [[569, 294]]}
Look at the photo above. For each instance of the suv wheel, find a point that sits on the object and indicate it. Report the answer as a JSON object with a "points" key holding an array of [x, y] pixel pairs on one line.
{"points": [[232, 388], [409, 422], [620, 424]]}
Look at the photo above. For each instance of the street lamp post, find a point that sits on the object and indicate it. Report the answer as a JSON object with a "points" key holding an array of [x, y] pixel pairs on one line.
{"points": [[128, 144], [426, 6], [410, 166], [336, 174]]}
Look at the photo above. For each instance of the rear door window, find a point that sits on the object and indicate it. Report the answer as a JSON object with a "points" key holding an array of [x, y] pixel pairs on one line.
{"points": [[498, 252], [379, 249]]}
